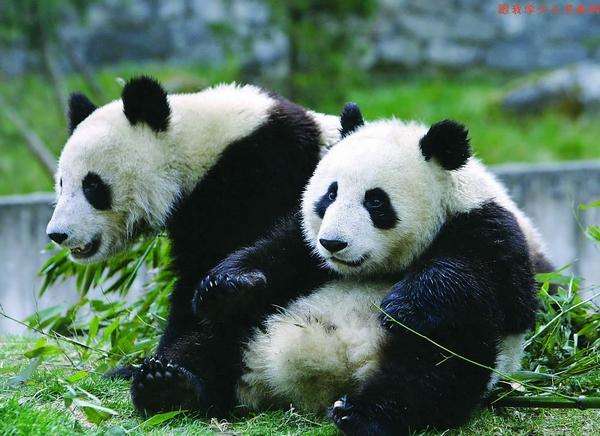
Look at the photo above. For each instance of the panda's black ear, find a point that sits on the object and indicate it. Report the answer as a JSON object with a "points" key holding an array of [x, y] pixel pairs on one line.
{"points": [[145, 101], [448, 143], [80, 107], [350, 119]]}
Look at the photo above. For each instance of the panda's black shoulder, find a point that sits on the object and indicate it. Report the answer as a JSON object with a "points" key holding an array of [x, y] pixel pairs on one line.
{"points": [[287, 119], [486, 230], [489, 239]]}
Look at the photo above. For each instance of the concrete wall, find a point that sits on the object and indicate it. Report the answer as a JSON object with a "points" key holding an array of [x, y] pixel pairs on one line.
{"points": [[549, 194], [23, 237]]}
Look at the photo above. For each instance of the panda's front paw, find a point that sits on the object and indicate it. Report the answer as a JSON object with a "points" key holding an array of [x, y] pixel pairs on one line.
{"points": [[352, 419], [391, 308], [216, 291]]}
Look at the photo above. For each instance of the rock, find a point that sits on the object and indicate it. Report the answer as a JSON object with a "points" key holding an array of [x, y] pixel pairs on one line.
{"points": [[425, 27], [268, 51], [575, 86], [558, 55], [452, 55], [514, 56], [398, 50], [471, 27]]}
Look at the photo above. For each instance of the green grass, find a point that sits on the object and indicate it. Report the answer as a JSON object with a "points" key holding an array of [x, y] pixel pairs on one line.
{"points": [[473, 99], [37, 407], [497, 136]]}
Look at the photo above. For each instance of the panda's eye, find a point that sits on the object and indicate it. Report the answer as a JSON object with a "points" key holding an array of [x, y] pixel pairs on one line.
{"points": [[380, 208], [326, 200], [373, 203], [375, 198], [96, 191]]}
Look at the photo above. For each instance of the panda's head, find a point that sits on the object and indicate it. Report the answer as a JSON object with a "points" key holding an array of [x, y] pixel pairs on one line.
{"points": [[380, 195], [110, 185]]}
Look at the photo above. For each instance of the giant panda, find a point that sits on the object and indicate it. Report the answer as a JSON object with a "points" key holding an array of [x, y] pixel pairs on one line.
{"points": [[403, 244], [215, 169]]}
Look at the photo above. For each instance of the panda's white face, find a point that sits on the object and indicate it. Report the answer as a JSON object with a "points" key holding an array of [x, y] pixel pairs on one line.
{"points": [[374, 202], [101, 185]]}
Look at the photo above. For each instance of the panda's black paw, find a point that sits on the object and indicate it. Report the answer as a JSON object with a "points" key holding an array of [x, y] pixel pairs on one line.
{"points": [[124, 372], [351, 419], [160, 386], [214, 294]]}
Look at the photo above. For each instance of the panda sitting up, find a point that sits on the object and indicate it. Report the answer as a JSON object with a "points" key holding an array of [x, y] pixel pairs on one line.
{"points": [[403, 242]]}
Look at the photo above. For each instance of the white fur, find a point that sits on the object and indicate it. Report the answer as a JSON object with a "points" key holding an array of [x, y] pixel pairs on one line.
{"points": [[146, 171], [386, 154], [509, 358], [330, 129], [326, 344], [320, 347]]}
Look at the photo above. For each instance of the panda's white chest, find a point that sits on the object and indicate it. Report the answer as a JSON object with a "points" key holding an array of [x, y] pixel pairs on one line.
{"points": [[318, 348]]}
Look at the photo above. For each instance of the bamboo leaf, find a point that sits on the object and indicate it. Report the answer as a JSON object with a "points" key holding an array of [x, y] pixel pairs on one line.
{"points": [[160, 418], [95, 413], [26, 374]]}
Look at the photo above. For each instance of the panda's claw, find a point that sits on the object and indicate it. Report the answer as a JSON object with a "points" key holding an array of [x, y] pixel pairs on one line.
{"points": [[344, 416], [160, 386], [213, 293], [353, 418]]}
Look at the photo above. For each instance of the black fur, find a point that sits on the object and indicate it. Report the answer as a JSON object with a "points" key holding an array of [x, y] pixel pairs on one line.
{"points": [[473, 286], [260, 279], [350, 119], [257, 180], [326, 200], [448, 143], [80, 107], [124, 372], [541, 263], [211, 297], [380, 209], [145, 101], [157, 380], [96, 191]]}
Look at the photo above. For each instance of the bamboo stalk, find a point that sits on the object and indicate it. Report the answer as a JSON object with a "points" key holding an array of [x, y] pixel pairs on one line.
{"points": [[581, 402]]}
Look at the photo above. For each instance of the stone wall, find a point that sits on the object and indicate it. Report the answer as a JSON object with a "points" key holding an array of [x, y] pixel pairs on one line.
{"points": [[549, 193], [452, 34]]}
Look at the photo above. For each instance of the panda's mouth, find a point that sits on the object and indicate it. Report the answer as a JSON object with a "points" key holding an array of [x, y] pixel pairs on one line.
{"points": [[350, 263], [88, 249]]}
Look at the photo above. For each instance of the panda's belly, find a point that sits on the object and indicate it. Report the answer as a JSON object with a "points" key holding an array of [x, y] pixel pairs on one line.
{"points": [[318, 348]]}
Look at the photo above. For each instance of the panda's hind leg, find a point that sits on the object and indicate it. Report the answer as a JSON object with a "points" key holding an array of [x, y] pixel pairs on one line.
{"points": [[155, 383], [296, 360]]}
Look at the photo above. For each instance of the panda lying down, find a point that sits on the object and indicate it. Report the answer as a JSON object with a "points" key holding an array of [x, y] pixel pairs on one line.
{"points": [[400, 228]]}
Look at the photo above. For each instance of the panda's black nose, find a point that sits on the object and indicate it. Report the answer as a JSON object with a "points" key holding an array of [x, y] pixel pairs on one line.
{"points": [[58, 237], [333, 245]]}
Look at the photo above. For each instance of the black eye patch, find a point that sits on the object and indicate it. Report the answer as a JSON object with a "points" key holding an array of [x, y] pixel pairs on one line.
{"points": [[96, 191], [326, 200], [378, 204]]}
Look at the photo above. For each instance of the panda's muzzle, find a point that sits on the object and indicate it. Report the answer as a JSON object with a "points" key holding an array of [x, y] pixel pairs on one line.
{"points": [[88, 249], [350, 263]]}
